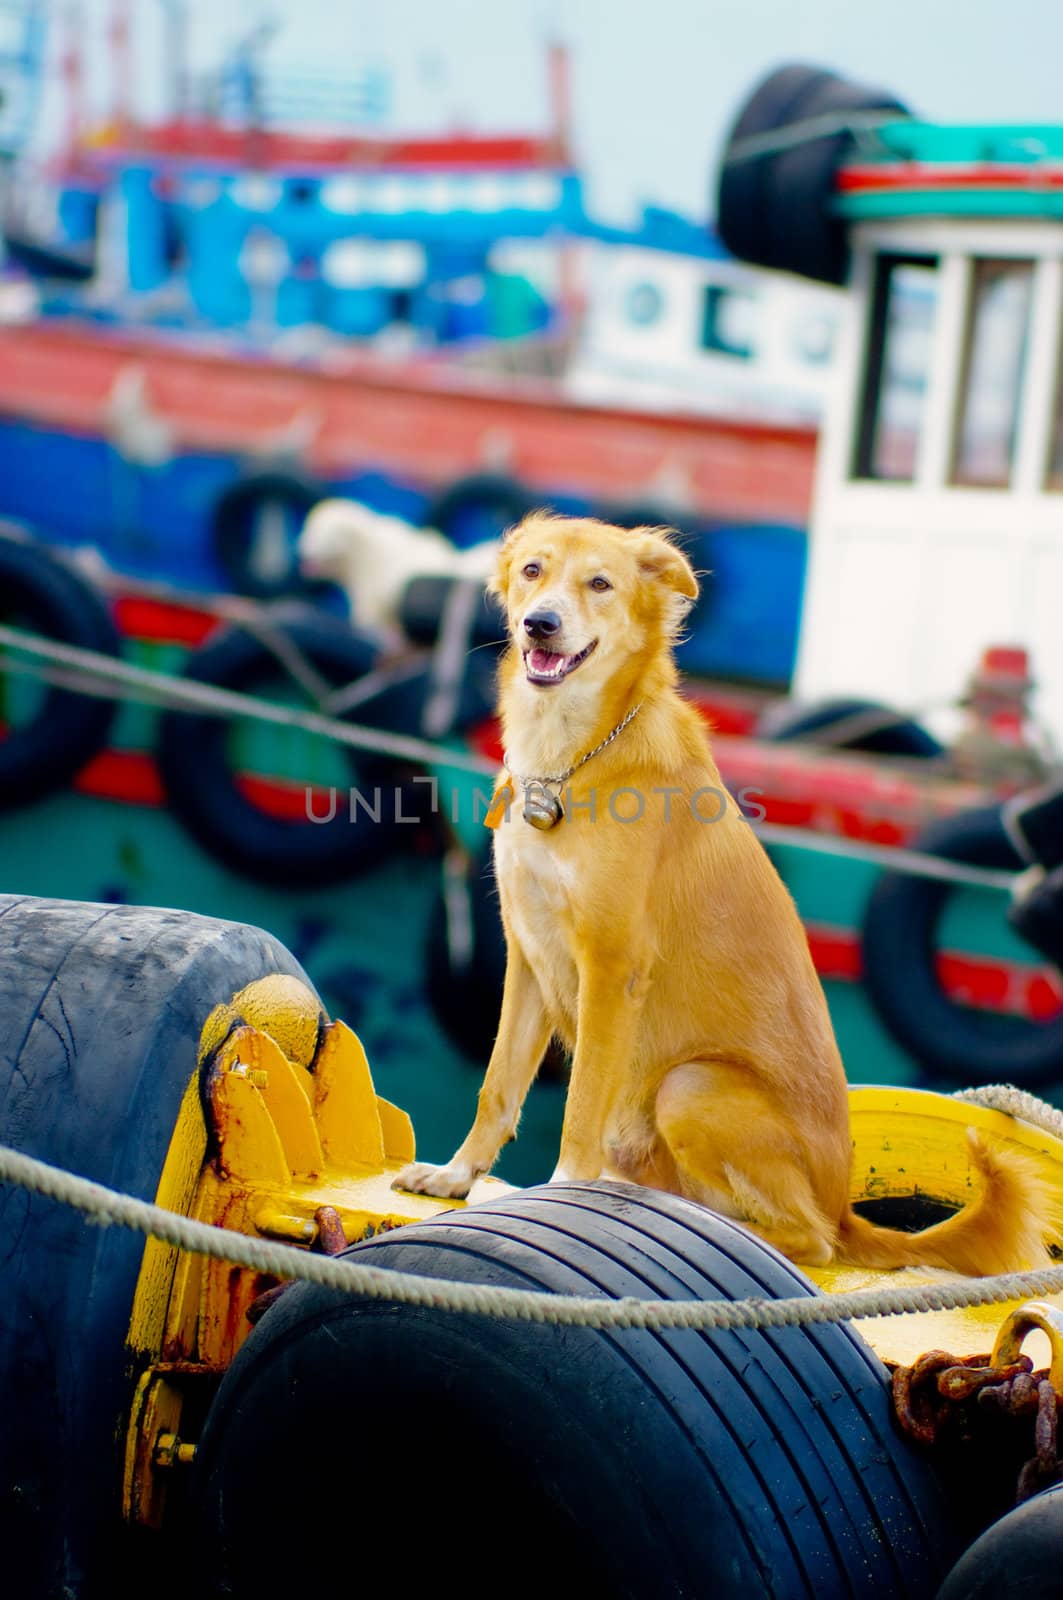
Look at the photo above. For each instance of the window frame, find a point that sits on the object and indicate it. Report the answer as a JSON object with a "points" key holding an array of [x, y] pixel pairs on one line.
{"points": [[869, 404], [977, 265]]}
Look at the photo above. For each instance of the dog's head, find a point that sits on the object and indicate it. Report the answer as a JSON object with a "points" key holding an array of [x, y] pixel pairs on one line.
{"points": [[582, 596]]}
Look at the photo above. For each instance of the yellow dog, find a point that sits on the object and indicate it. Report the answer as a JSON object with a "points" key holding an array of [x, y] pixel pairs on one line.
{"points": [[646, 927]]}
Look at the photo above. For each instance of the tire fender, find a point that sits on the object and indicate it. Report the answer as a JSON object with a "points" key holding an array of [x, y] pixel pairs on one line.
{"points": [[39, 591], [899, 952]]}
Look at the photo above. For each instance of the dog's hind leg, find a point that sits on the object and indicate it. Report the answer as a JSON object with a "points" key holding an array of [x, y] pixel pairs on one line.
{"points": [[524, 1031], [736, 1153]]}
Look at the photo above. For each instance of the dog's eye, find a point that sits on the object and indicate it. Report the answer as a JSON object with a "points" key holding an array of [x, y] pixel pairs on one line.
{"points": [[601, 584], [532, 570]]}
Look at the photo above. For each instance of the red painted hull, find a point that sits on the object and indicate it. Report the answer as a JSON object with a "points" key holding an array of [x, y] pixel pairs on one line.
{"points": [[421, 420]]}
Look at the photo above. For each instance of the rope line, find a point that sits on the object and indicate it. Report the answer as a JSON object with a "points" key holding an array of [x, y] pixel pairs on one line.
{"points": [[859, 123], [1018, 1103], [106, 1207], [91, 672], [185, 694], [913, 863]]}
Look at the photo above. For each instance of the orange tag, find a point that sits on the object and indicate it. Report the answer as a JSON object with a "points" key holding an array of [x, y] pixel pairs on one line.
{"points": [[500, 801]]}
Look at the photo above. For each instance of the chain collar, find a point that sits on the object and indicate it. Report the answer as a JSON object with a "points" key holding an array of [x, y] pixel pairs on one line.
{"points": [[563, 777]]}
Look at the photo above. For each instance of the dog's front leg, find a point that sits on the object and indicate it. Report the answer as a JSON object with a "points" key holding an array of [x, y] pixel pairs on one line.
{"points": [[612, 990], [523, 1035]]}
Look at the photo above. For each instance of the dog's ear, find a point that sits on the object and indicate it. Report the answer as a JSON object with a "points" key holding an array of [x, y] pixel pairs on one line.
{"points": [[660, 559], [498, 582]]}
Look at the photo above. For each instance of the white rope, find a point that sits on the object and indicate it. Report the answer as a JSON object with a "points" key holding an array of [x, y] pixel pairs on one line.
{"points": [[105, 1207], [1017, 1103], [825, 126], [187, 695], [90, 672], [914, 863]]}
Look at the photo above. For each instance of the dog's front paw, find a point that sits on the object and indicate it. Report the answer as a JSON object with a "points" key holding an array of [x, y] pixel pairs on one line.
{"points": [[420, 1177]]}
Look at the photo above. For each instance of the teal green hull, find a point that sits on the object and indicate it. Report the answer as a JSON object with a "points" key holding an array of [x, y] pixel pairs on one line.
{"points": [[363, 944]]}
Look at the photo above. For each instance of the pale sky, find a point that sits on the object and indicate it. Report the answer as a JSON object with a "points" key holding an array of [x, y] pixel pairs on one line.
{"points": [[655, 82]]}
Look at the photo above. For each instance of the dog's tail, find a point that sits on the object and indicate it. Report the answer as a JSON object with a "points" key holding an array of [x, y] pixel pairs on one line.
{"points": [[1003, 1229]]}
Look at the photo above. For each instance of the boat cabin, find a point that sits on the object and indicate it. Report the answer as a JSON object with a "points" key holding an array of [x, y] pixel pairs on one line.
{"points": [[937, 528]]}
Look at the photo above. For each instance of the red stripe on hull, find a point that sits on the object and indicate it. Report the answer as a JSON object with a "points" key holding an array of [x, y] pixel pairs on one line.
{"points": [[424, 421], [239, 147], [128, 776], [913, 177], [986, 983], [162, 622]]}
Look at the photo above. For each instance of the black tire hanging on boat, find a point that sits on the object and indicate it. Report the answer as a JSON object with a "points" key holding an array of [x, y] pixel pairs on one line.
{"points": [[502, 499], [790, 719], [641, 516], [773, 208], [1018, 1558], [465, 957], [421, 610], [954, 1042], [102, 1008], [40, 592], [233, 537], [205, 792], [670, 1464]]}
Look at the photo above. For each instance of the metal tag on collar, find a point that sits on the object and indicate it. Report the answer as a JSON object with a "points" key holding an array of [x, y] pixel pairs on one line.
{"points": [[541, 808]]}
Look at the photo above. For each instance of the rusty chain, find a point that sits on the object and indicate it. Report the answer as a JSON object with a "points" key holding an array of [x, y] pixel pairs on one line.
{"points": [[947, 1398]]}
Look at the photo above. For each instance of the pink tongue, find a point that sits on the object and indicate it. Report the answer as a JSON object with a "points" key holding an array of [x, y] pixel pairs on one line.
{"points": [[545, 660]]}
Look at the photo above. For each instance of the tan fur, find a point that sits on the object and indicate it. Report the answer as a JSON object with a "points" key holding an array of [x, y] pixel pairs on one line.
{"points": [[666, 952]]}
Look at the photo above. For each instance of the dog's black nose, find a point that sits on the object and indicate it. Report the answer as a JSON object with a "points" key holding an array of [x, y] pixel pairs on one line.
{"points": [[542, 624]]}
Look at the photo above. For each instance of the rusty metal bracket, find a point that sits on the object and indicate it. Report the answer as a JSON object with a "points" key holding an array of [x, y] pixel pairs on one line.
{"points": [[942, 1397]]}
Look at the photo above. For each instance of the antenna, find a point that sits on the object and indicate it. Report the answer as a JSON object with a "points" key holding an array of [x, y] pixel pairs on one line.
{"points": [[561, 100], [71, 66], [121, 65], [176, 49]]}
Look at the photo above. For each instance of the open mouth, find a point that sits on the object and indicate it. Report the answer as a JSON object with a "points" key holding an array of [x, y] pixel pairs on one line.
{"points": [[550, 666]]}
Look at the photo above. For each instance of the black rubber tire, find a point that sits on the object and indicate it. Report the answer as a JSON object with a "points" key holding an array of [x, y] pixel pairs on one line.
{"points": [[955, 1043], [421, 610], [202, 788], [1018, 1558], [232, 531], [1036, 914], [1033, 822], [466, 995], [501, 500], [102, 1008], [641, 1464], [641, 516], [774, 210], [789, 719], [39, 592]]}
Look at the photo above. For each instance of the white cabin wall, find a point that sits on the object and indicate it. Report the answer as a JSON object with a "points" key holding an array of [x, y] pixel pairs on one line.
{"points": [[662, 359], [909, 583]]}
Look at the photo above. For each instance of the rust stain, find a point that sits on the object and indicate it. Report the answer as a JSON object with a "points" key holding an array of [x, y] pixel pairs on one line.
{"points": [[330, 1238]]}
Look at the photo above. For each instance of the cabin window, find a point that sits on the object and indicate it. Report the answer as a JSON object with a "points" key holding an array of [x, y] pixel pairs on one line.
{"points": [[904, 300], [644, 304], [727, 321], [994, 360], [812, 340], [1054, 479]]}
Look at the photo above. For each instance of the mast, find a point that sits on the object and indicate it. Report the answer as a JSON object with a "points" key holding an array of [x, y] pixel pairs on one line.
{"points": [[72, 70], [121, 64], [176, 48]]}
